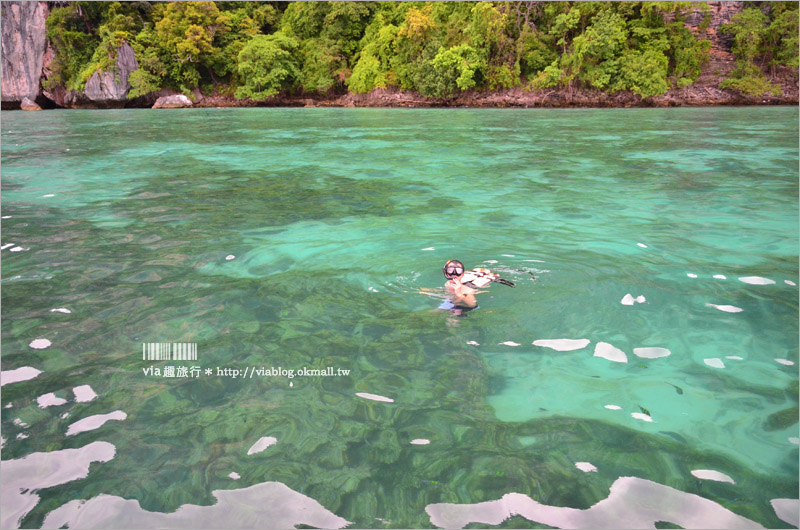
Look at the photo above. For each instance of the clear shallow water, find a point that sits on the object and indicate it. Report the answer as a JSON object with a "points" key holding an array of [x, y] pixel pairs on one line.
{"points": [[290, 238]]}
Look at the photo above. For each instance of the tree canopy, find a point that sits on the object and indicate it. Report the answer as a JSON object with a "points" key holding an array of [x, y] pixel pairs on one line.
{"points": [[258, 49]]}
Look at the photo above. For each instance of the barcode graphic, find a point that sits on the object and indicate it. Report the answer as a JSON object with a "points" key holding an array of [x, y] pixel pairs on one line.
{"points": [[169, 351]]}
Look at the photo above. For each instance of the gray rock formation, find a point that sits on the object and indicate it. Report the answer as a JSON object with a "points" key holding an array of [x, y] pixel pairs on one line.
{"points": [[110, 88], [720, 13], [23, 46], [28, 104], [177, 101]]}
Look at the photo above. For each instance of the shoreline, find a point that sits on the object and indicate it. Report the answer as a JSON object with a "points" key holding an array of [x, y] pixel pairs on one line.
{"points": [[513, 98], [694, 96]]}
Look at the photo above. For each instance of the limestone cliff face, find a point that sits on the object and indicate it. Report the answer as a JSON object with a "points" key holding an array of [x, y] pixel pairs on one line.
{"points": [[23, 47], [107, 89], [111, 88], [720, 13]]}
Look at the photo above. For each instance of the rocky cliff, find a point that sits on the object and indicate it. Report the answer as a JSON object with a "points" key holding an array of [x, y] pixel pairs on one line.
{"points": [[105, 89], [23, 46], [719, 13], [110, 89]]}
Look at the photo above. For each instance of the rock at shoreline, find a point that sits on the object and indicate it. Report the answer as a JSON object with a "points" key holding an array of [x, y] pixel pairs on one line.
{"points": [[110, 88], [27, 104], [178, 101], [23, 43]]}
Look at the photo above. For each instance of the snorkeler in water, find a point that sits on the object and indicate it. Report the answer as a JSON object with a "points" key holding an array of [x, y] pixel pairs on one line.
{"points": [[462, 286]]}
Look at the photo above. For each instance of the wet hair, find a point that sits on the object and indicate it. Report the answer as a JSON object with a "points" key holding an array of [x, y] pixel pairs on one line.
{"points": [[453, 269]]}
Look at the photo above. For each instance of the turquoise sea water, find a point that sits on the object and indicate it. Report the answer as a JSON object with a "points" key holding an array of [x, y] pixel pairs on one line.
{"points": [[283, 239]]}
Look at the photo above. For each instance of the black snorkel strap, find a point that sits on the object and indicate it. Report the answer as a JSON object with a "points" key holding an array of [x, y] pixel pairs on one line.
{"points": [[504, 282]]}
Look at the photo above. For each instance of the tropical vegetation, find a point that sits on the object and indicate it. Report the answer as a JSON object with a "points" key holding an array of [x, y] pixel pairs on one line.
{"points": [[439, 49]]}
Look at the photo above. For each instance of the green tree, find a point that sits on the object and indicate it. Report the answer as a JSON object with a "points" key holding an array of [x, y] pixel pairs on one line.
{"points": [[186, 35], [70, 33], [781, 37], [749, 28], [373, 67], [643, 73], [457, 68], [488, 35], [152, 73], [240, 28], [536, 51], [267, 64], [329, 34], [416, 44]]}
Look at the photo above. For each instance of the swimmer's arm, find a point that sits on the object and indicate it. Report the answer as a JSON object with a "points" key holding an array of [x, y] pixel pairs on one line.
{"points": [[436, 293]]}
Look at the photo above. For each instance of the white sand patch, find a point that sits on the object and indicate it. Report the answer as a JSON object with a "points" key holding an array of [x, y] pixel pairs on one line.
{"points": [[756, 280], [83, 393], [19, 423], [794, 440], [264, 505], [429, 248], [18, 249], [651, 353], [726, 308], [229, 257], [24, 477], [642, 245], [586, 467], [94, 422], [691, 275], [509, 343], [262, 444], [472, 343], [61, 310], [23, 435], [613, 407], [562, 344], [17, 375], [785, 362], [49, 195], [734, 357], [710, 474], [6, 246], [714, 362], [40, 344], [642, 416], [787, 510], [420, 441], [632, 503], [374, 397], [790, 282], [720, 277], [234, 475], [607, 351], [49, 400]]}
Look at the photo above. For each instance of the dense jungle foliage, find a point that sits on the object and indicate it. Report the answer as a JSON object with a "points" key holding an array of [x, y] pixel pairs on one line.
{"points": [[258, 49]]}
